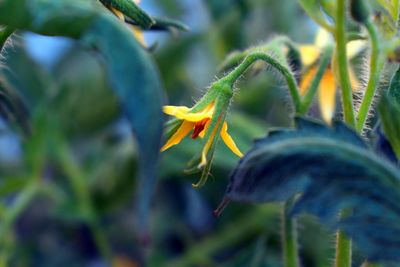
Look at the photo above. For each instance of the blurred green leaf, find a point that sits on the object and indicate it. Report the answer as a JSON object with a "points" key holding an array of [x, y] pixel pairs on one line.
{"points": [[394, 87], [313, 9], [135, 80], [81, 83], [129, 69], [389, 112]]}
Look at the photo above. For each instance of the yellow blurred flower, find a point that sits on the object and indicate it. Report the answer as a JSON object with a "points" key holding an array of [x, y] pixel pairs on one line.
{"points": [[199, 122], [136, 30], [310, 54]]}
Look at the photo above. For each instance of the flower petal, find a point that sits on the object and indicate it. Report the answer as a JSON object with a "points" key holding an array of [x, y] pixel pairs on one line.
{"points": [[355, 47], [177, 137], [327, 94], [139, 35], [118, 13], [229, 141], [202, 133], [309, 54], [323, 38], [183, 113], [172, 110], [306, 80]]}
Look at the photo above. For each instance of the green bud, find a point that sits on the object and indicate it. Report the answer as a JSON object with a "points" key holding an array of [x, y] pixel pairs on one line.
{"points": [[359, 10]]}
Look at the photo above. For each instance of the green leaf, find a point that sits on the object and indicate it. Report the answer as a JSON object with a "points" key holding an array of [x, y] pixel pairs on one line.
{"points": [[392, 7], [129, 68], [81, 81], [394, 87], [313, 9], [389, 112], [136, 82], [328, 169]]}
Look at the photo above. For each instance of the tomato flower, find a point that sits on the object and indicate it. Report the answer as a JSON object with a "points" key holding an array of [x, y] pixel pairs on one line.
{"points": [[205, 120], [310, 54]]}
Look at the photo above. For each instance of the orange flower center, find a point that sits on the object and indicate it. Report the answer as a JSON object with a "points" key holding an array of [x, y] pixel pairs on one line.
{"points": [[199, 127]]}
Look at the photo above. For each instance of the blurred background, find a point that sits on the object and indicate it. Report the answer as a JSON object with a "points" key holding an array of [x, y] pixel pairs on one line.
{"points": [[67, 86]]}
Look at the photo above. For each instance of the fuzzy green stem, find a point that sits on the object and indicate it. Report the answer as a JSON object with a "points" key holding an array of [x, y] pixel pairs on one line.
{"points": [[287, 74], [375, 70], [343, 250], [343, 246], [342, 63], [307, 100], [290, 251]]}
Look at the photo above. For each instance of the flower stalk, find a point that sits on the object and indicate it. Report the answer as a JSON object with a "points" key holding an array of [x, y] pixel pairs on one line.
{"points": [[289, 236], [287, 74], [376, 65], [343, 244], [342, 64]]}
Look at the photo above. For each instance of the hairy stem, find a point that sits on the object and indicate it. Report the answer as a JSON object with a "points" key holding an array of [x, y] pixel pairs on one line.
{"points": [[375, 69], [342, 64], [343, 244], [287, 74], [343, 247], [291, 257]]}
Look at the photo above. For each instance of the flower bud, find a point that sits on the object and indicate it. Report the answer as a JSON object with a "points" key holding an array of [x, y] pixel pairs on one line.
{"points": [[359, 10]]}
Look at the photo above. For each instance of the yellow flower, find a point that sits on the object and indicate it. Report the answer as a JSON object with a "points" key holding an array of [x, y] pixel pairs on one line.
{"points": [[199, 122], [310, 54]]}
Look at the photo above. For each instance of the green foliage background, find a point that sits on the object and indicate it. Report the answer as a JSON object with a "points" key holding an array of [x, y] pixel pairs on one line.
{"points": [[53, 231]]}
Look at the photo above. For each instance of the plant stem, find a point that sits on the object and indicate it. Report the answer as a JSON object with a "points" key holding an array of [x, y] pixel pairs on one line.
{"points": [[77, 180], [343, 250], [343, 244], [287, 74], [342, 63], [307, 100], [290, 251], [375, 70]]}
